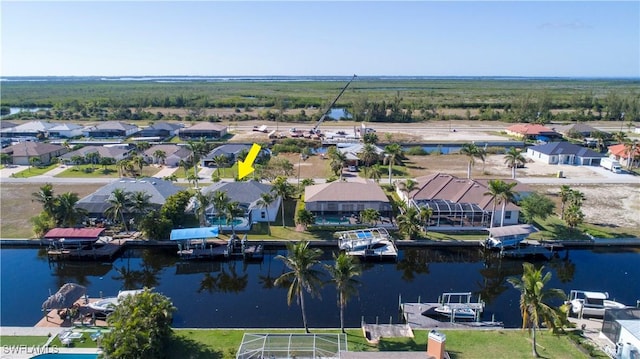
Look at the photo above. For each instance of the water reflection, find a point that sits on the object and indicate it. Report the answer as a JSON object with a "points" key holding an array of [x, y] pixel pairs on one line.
{"points": [[209, 293]]}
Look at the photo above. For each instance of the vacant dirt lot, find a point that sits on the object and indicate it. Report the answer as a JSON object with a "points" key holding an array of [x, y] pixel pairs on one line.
{"points": [[17, 206]]}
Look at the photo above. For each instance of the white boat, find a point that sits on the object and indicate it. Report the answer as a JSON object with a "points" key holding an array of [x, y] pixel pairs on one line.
{"points": [[382, 249], [108, 305], [587, 303], [508, 236], [359, 239], [458, 313]]}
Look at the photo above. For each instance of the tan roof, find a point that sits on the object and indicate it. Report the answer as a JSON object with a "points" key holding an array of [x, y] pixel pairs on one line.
{"points": [[457, 190], [344, 192]]}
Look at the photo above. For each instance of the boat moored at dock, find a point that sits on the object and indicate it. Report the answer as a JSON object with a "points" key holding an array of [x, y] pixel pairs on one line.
{"points": [[592, 304], [370, 243]]}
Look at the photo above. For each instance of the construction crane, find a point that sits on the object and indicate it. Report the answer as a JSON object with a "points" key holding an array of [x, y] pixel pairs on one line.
{"points": [[315, 130]]}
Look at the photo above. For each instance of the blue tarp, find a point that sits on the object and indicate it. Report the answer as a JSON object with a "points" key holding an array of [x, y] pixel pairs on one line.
{"points": [[193, 233]]}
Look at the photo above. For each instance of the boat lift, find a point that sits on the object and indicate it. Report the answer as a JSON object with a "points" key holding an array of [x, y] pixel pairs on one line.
{"points": [[461, 302]]}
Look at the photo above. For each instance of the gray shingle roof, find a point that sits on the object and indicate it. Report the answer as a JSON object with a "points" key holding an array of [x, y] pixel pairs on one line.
{"points": [[157, 188], [243, 192]]}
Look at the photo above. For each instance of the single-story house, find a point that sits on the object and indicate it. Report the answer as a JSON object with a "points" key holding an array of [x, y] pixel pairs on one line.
{"points": [[161, 130], [173, 154], [110, 129], [459, 202], [564, 153], [30, 130], [98, 202], [117, 153], [230, 151], [352, 151], [583, 129], [336, 202], [66, 130], [621, 153], [206, 130], [247, 194], [23, 152], [532, 131]]}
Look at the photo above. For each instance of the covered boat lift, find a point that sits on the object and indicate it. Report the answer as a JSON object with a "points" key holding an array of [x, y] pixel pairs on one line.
{"points": [[508, 236]]}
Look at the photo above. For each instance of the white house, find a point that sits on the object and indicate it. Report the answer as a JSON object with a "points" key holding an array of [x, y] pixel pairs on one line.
{"points": [[248, 195], [66, 130], [564, 153]]}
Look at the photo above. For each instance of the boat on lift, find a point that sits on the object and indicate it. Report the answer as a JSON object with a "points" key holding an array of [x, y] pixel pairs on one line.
{"points": [[592, 304]]}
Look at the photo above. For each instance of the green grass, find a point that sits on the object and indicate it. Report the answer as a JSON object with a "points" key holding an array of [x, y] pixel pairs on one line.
{"points": [[553, 228], [22, 340], [34, 171], [95, 171], [461, 344]]}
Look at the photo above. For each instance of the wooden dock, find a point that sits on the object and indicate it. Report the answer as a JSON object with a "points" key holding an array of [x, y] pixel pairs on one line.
{"points": [[417, 316]]}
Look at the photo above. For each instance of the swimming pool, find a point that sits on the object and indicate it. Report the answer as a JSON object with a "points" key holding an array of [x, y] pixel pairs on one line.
{"points": [[216, 221]]}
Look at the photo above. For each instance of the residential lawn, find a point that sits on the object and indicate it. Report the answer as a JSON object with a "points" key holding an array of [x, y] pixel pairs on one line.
{"points": [[461, 344], [553, 228], [23, 340], [458, 236], [111, 171], [224, 343], [34, 171]]}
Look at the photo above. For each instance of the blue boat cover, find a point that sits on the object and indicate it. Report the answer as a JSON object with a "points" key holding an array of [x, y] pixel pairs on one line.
{"points": [[193, 233]]}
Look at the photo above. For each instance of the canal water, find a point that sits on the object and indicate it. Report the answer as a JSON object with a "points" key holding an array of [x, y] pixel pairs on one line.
{"points": [[236, 294]]}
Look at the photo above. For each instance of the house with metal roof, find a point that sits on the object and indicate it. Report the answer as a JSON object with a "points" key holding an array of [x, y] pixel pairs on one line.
{"points": [[110, 129], [161, 130], [98, 202], [342, 202], [231, 152], [22, 153], [65, 130], [564, 153], [206, 130], [248, 195], [173, 154], [28, 130], [459, 203]]}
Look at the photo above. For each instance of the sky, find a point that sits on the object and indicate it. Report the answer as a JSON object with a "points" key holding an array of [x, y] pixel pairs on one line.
{"points": [[321, 38]]}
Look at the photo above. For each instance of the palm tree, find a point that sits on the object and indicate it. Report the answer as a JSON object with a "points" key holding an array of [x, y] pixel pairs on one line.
{"points": [[534, 299], [266, 199], [392, 152], [198, 149], [160, 156], [409, 222], [470, 150], [219, 200], [565, 192], [425, 216], [368, 155], [283, 189], [93, 158], [513, 158], [376, 172], [573, 215], [408, 186], [139, 162], [343, 274], [305, 218], [303, 277], [66, 212], [507, 194], [46, 196], [232, 210], [220, 161], [119, 204], [495, 187], [203, 201], [370, 215], [338, 160], [140, 204], [307, 182]]}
